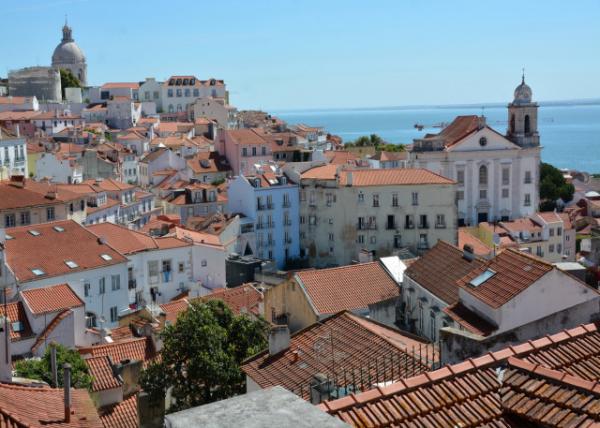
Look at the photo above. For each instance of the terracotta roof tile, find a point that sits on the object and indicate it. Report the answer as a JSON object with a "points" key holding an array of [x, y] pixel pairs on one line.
{"points": [[347, 287], [391, 177], [100, 368], [24, 406], [469, 319], [466, 238], [136, 349], [116, 85], [364, 350], [247, 137], [121, 415], [51, 299], [325, 172], [173, 309], [50, 250], [128, 241], [513, 272], [439, 269], [243, 299], [33, 194]]}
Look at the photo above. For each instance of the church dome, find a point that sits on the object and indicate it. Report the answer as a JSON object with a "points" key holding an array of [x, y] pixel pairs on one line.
{"points": [[67, 52], [522, 93]]}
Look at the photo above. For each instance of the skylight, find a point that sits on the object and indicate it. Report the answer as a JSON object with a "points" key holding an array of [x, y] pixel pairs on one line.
{"points": [[480, 279], [8, 237], [106, 257], [17, 326], [34, 232], [71, 264], [38, 272], [59, 229]]}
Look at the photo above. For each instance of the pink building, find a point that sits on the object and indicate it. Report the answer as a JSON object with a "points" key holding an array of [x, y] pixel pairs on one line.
{"points": [[245, 148]]}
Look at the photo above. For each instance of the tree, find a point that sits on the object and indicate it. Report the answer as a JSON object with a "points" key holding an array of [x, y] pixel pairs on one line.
{"points": [[202, 353], [552, 187], [68, 80], [41, 369]]}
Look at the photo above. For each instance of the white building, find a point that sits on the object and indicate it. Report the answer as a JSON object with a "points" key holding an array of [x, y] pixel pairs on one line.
{"points": [[180, 92], [58, 168], [216, 109], [158, 269], [497, 175], [122, 112], [151, 91], [13, 154], [346, 212], [94, 270]]}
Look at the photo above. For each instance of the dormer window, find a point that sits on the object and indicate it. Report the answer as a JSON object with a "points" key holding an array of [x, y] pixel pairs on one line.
{"points": [[105, 257], [71, 264], [34, 232], [59, 229], [17, 326], [38, 272]]}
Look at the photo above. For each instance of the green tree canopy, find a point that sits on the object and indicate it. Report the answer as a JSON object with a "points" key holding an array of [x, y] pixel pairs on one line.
{"points": [[202, 353], [375, 141], [68, 80], [553, 186], [41, 369]]}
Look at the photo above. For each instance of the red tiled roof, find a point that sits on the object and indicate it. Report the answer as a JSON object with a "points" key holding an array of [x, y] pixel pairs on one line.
{"points": [[173, 309], [51, 299], [108, 184], [439, 269], [384, 156], [514, 271], [340, 157], [136, 349], [347, 287], [392, 177], [466, 238], [242, 299], [100, 368], [325, 172], [460, 127], [115, 85], [122, 332], [51, 249], [41, 339], [25, 406], [16, 312], [363, 349], [32, 195], [469, 319], [247, 137], [121, 415], [128, 241]]}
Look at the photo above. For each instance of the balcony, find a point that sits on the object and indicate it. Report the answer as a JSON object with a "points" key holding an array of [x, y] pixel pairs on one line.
{"points": [[366, 226], [286, 204], [270, 205], [260, 226], [247, 228], [287, 222], [132, 284], [424, 225], [423, 245], [261, 207], [440, 225]]}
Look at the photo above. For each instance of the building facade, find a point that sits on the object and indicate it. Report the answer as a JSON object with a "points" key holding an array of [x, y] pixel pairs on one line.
{"points": [[69, 56]]}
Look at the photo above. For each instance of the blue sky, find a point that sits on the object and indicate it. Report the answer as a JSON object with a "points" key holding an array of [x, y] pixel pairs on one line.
{"points": [[328, 53]]}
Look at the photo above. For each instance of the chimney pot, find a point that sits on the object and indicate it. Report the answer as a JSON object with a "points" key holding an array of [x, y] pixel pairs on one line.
{"points": [[468, 252], [67, 390]]}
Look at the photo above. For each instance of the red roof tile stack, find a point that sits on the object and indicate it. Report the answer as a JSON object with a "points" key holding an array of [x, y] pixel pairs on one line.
{"points": [[347, 287]]}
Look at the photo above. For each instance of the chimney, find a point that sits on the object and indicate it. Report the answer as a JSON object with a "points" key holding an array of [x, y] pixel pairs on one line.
{"points": [[481, 123], [5, 354], [130, 372], [349, 178], [320, 388], [279, 339], [67, 389], [468, 252], [18, 131]]}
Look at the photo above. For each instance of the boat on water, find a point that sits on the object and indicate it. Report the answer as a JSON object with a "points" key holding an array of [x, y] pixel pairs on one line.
{"points": [[419, 126]]}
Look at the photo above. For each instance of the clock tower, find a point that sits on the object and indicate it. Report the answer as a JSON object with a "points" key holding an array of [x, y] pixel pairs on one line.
{"points": [[523, 117]]}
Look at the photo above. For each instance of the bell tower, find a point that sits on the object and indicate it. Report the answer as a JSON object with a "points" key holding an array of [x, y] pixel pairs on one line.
{"points": [[523, 117]]}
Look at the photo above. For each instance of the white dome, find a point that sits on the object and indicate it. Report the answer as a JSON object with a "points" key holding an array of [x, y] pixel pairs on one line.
{"points": [[523, 93], [67, 53]]}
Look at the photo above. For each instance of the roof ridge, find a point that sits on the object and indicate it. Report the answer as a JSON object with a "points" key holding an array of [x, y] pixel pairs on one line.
{"points": [[336, 267]]}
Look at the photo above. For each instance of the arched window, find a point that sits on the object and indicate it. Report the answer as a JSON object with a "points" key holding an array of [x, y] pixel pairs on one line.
{"points": [[512, 123], [483, 175], [179, 107], [527, 124], [171, 108]]}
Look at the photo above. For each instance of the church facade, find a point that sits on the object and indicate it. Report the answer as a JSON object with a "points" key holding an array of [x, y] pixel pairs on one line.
{"points": [[69, 56], [497, 175]]}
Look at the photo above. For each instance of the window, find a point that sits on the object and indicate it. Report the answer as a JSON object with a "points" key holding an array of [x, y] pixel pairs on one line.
{"points": [[187, 93], [505, 193], [375, 200], [312, 220], [460, 177], [286, 200], [86, 289], [551, 231], [361, 223], [421, 315], [409, 222], [423, 224], [391, 222], [551, 248], [394, 199], [302, 219], [105, 257], [329, 199], [115, 282], [113, 314], [373, 240], [360, 239], [415, 198], [101, 286], [331, 238], [25, 217], [558, 248], [253, 151], [170, 93], [38, 272], [483, 175], [423, 244], [527, 202], [482, 194], [50, 214], [179, 92], [567, 238], [71, 264], [558, 231], [196, 93], [244, 151], [460, 195], [203, 263], [9, 220], [153, 271], [527, 177], [432, 326], [505, 176], [361, 197], [263, 151], [440, 221]]}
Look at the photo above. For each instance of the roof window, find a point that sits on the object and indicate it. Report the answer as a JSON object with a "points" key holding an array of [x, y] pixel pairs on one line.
{"points": [[17, 326], [71, 264], [480, 279], [8, 237], [34, 232], [38, 272], [105, 257], [59, 229]]}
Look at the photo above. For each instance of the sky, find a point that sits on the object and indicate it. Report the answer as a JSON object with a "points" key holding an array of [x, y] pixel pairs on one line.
{"points": [[294, 54]]}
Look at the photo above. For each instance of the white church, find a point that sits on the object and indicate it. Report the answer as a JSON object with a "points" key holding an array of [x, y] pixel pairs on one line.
{"points": [[497, 174]]}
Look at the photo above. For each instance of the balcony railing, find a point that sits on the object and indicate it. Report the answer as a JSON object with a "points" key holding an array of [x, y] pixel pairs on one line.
{"points": [[366, 226], [261, 207], [440, 225], [286, 204], [423, 225]]}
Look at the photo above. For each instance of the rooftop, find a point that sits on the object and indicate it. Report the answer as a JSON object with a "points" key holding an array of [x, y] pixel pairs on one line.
{"points": [[439, 269], [243, 299], [57, 248], [19, 323], [247, 136], [366, 351], [54, 298], [32, 194], [134, 349], [347, 287]]}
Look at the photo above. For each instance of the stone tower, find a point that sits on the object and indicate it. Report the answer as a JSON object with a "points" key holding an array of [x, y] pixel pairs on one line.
{"points": [[523, 117], [68, 55]]}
